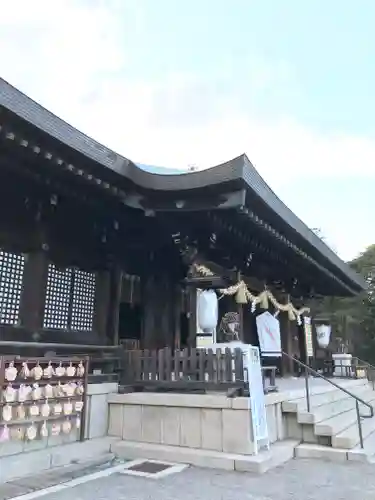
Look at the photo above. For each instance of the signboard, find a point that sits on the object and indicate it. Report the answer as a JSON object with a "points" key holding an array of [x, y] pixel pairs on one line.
{"points": [[269, 334], [205, 340], [256, 400], [308, 336]]}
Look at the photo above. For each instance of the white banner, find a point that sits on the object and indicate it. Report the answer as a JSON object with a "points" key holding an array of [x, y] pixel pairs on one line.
{"points": [[269, 334], [308, 336], [257, 403]]}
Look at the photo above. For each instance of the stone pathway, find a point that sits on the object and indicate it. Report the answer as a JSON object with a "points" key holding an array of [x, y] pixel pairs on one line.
{"points": [[299, 479], [53, 477]]}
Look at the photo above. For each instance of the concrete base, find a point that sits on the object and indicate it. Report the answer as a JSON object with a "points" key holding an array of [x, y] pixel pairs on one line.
{"points": [[34, 462], [202, 422], [333, 454], [279, 453]]}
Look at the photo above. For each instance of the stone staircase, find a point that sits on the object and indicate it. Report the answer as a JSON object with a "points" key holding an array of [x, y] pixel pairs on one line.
{"points": [[329, 429]]}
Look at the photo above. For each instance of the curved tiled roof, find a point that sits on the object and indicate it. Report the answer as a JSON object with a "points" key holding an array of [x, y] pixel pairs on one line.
{"points": [[156, 178]]}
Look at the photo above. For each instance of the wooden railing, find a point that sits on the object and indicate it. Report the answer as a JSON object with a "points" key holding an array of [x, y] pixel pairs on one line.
{"points": [[187, 370], [160, 370]]}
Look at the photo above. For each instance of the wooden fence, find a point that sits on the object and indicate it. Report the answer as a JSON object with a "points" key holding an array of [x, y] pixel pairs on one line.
{"points": [[187, 369]]}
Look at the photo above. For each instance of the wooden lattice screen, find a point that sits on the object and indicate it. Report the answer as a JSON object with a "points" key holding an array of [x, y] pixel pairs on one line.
{"points": [[70, 299], [11, 280]]}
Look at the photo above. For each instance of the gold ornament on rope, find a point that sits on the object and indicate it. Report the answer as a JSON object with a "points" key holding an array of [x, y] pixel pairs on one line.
{"points": [[244, 296]]}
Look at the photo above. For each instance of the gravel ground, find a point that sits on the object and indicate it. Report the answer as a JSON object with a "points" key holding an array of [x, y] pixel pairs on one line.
{"points": [[299, 479]]}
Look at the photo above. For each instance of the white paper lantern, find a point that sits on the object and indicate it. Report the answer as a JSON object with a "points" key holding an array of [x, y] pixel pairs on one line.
{"points": [[323, 335], [207, 311]]}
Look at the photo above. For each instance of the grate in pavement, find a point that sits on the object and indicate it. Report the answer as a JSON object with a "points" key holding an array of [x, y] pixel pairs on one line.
{"points": [[149, 467]]}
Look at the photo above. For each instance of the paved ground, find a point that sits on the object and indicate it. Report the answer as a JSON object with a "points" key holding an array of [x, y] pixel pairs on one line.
{"points": [[302, 480]]}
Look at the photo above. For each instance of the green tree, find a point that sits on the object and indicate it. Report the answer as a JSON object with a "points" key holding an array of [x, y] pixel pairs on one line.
{"points": [[353, 319]]}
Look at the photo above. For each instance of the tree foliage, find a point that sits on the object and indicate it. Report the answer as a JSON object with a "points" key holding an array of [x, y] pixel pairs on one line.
{"points": [[353, 319]]}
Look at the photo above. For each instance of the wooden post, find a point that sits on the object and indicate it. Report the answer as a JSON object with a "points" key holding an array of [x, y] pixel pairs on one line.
{"points": [[114, 304], [34, 291], [102, 303], [286, 341], [192, 311], [240, 314]]}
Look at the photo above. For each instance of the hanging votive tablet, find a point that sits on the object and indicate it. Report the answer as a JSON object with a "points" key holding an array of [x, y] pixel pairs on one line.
{"points": [[80, 390], [23, 393], [57, 409], [48, 371], [34, 410], [48, 391], [45, 410], [7, 413], [78, 422], [31, 432], [60, 371], [44, 430], [10, 394], [21, 412], [59, 391], [25, 372], [69, 389], [37, 372], [17, 433], [80, 369], [36, 392], [11, 373], [78, 406], [55, 429], [66, 427], [68, 408], [70, 371], [4, 434]]}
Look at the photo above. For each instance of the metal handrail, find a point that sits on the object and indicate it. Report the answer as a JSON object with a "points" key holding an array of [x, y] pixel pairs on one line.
{"points": [[363, 362], [368, 366], [358, 400]]}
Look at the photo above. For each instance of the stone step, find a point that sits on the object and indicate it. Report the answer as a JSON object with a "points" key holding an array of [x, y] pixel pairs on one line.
{"points": [[333, 408], [305, 450], [317, 400], [344, 418], [349, 438], [278, 454]]}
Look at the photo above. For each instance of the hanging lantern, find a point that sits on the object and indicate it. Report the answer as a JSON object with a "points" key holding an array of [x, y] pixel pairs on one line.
{"points": [[240, 296], [264, 300], [323, 335], [207, 311]]}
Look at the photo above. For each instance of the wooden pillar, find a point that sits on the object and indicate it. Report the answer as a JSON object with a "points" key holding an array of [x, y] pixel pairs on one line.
{"points": [[34, 291], [286, 342], [192, 312], [178, 309], [102, 302], [114, 304], [148, 325], [240, 315]]}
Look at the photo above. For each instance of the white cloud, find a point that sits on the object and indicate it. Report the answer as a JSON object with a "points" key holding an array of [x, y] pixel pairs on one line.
{"points": [[75, 58]]}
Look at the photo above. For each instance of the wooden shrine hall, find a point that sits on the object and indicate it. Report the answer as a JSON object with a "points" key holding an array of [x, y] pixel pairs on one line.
{"points": [[96, 250]]}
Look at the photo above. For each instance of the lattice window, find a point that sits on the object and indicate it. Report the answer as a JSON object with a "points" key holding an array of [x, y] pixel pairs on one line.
{"points": [[57, 305], [70, 299], [83, 303], [11, 279]]}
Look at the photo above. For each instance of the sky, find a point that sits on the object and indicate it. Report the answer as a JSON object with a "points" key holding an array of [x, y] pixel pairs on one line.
{"points": [[176, 83]]}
